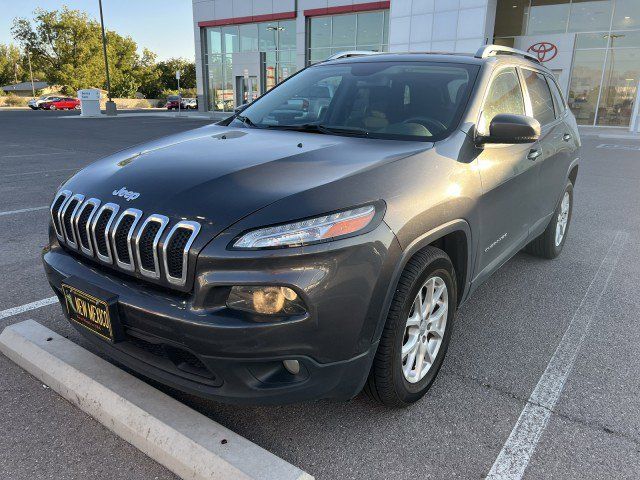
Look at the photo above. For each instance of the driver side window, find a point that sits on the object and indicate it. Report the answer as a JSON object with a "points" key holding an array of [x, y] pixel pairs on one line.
{"points": [[505, 96]]}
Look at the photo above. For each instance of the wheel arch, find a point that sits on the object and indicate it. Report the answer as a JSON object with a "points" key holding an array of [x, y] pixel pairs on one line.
{"points": [[454, 238]]}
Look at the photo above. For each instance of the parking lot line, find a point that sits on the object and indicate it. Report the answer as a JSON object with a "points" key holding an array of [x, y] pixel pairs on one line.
{"points": [[186, 442], [514, 457], [39, 172], [23, 210], [32, 155], [25, 308]]}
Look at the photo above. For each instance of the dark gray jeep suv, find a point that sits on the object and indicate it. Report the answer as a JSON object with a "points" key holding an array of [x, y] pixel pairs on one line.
{"points": [[294, 252]]}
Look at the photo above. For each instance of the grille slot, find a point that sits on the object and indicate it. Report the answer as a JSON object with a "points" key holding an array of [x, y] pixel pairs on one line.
{"points": [[83, 224], [147, 244], [122, 235], [176, 250], [56, 208], [68, 213], [100, 230]]}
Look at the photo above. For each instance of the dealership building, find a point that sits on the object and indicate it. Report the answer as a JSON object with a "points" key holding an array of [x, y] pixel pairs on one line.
{"points": [[245, 47]]}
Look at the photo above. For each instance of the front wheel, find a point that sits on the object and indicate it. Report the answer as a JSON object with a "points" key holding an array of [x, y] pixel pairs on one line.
{"points": [[417, 332], [549, 244], [53, 107]]}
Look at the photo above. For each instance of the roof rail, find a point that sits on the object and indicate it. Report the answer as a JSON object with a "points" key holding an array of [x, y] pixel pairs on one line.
{"points": [[493, 50], [351, 53]]}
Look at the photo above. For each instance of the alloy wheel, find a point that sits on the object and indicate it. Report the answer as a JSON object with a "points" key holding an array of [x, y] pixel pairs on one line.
{"points": [[563, 218], [424, 330]]}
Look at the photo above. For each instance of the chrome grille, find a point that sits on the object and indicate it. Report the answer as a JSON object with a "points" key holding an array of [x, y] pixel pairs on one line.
{"points": [[147, 245], [66, 215], [56, 208], [100, 231], [176, 251], [126, 239], [83, 220], [122, 235]]}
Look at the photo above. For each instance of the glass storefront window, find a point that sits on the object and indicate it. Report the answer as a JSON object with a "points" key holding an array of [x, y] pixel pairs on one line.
{"points": [[585, 84], [230, 39], [621, 75], [214, 41], [590, 15], [267, 36], [548, 16], [627, 14], [249, 37], [320, 32], [287, 35], [344, 31], [625, 39], [511, 18], [369, 30], [334, 34], [591, 40]]}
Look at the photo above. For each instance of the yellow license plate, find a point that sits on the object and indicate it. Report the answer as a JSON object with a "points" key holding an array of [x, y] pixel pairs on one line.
{"points": [[89, 311]]}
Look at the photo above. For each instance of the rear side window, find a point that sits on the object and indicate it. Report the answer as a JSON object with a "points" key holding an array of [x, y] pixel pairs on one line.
{"points": [[504, 96], [557, 97], [540, 96]]}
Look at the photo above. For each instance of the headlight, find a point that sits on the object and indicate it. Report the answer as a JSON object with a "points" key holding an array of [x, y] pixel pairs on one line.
{"points": [[313, 230], [267, 300]]}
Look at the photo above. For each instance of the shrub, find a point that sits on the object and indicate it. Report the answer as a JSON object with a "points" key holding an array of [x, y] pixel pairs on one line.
{"points": [[15, 101]]}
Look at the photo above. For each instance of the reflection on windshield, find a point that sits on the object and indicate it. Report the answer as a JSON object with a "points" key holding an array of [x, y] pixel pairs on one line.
{"points": [[396, 100]]}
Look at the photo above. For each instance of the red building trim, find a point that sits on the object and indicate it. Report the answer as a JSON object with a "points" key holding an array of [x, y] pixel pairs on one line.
{"points": [[358, 7], [270, 17]]}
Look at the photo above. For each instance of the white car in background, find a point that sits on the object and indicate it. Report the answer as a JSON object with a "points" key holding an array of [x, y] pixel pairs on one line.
{"points": [[35, 103]]}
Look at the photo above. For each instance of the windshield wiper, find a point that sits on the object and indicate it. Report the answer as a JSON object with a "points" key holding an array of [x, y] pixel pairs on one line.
{"points": [[318, 128]]}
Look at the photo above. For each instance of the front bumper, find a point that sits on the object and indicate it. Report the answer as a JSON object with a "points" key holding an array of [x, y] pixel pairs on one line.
{"points": [[192, 342]]}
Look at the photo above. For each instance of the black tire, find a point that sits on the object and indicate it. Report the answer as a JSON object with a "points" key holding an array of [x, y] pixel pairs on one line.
{"points": [[386, 383], [545, 245]]}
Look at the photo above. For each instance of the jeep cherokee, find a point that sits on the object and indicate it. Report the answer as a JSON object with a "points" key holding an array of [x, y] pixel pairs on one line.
{"points": [[291, 253]]}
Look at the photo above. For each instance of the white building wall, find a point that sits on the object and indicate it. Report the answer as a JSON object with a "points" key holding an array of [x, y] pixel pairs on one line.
{"points": [[440, 25]]}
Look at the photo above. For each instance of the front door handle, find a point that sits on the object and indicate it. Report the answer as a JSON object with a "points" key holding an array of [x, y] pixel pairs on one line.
{"points": [[566, 137], [534, 153]]}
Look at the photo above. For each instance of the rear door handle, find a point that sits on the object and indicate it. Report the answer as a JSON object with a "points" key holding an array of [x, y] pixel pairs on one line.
{"points": [[566, 137], [534, 153]]}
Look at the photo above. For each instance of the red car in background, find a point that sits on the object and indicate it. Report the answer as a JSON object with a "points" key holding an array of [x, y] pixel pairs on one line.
{"points": [[61, 103], [173, 102]]}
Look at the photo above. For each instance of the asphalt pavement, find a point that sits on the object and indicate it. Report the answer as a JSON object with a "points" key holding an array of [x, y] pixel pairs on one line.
{"points": [[506, 337]]}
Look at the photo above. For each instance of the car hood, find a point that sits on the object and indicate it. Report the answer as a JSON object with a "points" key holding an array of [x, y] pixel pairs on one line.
{"points": [[218, 175]]}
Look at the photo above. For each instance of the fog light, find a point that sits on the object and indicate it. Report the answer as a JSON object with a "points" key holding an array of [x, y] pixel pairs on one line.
{"points": [[292, 366], [267, 300]]}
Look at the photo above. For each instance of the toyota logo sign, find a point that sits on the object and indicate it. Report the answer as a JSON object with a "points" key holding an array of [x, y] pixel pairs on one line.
{"points": [[545, 51]]}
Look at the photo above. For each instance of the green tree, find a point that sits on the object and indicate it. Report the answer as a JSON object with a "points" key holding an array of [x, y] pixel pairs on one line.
{"points": [[66, 45], [10, 56], [168, 69]]}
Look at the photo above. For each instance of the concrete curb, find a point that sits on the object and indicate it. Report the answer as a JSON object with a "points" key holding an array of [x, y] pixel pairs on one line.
{"points": [[186, 442]]}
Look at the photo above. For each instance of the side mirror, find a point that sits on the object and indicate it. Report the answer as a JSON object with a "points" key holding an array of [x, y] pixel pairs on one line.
{"points": [[507, 128]]}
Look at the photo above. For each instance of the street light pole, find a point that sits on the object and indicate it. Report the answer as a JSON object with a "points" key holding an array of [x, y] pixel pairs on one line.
{"points": [[111, 106], [33, 90]]}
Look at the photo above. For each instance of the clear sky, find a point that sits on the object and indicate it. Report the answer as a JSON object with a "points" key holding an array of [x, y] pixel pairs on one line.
{"points": [[163, 26]]}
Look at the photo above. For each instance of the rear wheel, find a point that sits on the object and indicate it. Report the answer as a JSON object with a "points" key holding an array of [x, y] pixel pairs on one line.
{"points": [[53, 107], [549, 244], [417, 332]]}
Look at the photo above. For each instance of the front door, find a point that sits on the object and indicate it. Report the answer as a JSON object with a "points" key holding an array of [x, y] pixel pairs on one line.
{"points": [[509, 180]]}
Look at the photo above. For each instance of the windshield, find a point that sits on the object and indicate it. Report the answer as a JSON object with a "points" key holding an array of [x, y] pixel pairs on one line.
{"points": [[394, 100]]}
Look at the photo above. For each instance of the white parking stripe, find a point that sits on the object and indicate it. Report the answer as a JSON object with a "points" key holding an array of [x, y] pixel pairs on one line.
{"points": [[23, 210], [37, 173], [519, 447], [32, 155], [29, 306]]}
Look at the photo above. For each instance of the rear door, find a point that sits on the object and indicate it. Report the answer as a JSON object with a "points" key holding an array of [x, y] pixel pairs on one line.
{"points": [[509, 179], [552, 160]]}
